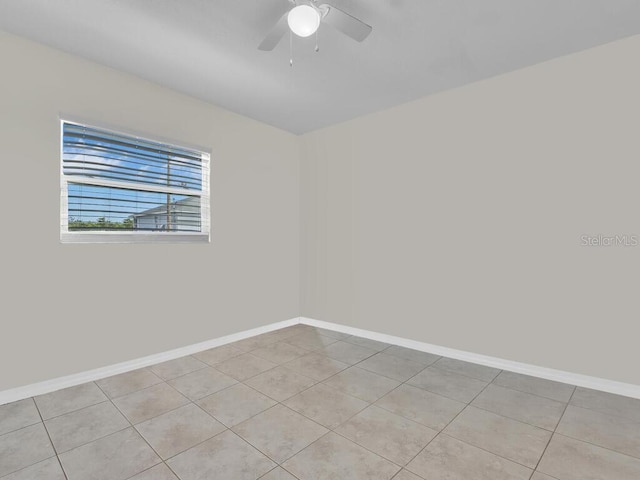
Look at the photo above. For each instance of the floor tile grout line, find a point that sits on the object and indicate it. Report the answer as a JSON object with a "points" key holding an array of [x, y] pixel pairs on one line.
{"points": [[449, 370], [303, 449], [554, 432], [147, 369], [22, 428], [55, 451], [372, 452], [387, 376], [166, 380], [514, 419], [493, 382], [597, 446], [171, 457], [608, 413], [77, 410], [137, 391], [280, 466]]}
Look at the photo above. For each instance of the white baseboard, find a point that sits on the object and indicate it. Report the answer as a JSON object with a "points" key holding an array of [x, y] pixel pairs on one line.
{"points": [[48, 386], [40, 388], [595, 383]]}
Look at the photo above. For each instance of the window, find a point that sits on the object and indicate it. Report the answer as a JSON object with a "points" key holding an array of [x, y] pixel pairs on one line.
{"points": [[122, 188]]}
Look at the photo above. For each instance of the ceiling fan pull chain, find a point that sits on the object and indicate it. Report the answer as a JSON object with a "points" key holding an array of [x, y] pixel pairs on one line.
{"points": [[290, 48], [317, 47]]}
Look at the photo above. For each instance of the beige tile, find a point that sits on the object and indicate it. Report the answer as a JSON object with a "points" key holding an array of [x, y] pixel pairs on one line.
{"points": [[607, 403], [424, 358], [316, 366], [448, 384], [508, 438], [292, 330], [366, 343], [116, 457], [245, 366], [284, 333], [406, 475], [16, 415], [128, 382], [473, 370], [24, 447], [325, 405], [236, 404], [609, 431], [175, 368], [537, 386], [346, 352], [178, 430], [159, 472], [524, 407], [387, 434], [311, 340], [421, 406], [279, 352], [451, 459], [46, 470], [86, 425], [330, 333], [278, 474], [70, 399], [258, 341], [280, 383], [225, 456], [279, 432], [201, 383], [213, 356], [390, 366], [150, 402], [362, 384], [569, 459], [335, 458], [541, 476]]}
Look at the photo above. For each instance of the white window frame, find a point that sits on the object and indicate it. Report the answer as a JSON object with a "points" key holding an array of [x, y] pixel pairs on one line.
{"points": [[67, 236]]}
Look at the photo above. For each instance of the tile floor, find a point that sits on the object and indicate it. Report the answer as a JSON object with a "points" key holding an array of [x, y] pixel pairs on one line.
{"points": [[311, 404]]}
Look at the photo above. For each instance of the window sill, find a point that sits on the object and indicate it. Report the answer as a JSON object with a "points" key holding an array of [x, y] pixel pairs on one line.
{"points": [[133, 237]]}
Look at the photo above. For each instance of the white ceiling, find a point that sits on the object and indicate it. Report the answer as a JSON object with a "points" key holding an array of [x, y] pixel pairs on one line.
{"points": [[207, 48]]}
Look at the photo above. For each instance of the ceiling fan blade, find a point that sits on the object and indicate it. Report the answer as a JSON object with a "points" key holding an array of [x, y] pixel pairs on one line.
{"points": [[347, 24], [275, 35]]}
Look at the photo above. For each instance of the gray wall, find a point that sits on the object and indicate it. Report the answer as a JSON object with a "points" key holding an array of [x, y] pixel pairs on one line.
{"points": [[70, 308], [454, 220], [457, 219]]}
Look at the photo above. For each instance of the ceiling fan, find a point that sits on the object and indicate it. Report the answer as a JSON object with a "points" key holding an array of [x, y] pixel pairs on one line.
{"points": [[304, 18]]}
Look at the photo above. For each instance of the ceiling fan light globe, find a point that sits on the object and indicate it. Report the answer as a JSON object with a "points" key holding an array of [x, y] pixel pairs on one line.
{"points": [[303, 20]]}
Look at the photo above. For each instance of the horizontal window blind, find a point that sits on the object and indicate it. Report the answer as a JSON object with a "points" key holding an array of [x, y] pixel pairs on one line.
{"points": [[120, 183]]}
